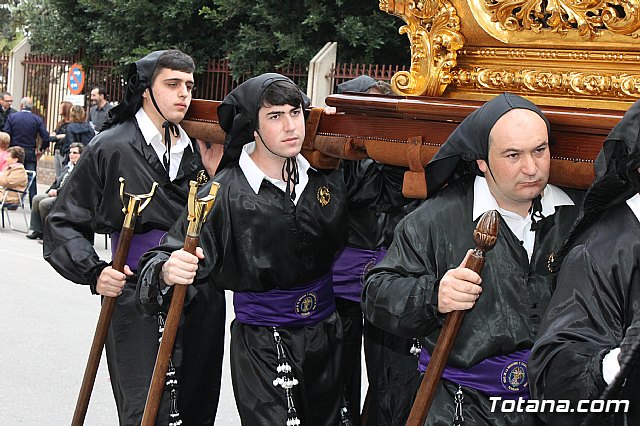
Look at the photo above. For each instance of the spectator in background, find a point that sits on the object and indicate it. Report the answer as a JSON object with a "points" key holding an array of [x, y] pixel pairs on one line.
{"points": [[100, 107], [24, 127], [14, 176], [5, 108], [78, 130], [58, 136], [5, 139], [43, 203]]}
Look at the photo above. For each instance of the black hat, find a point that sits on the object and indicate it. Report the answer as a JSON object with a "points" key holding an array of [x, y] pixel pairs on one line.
{"points": [[470, 140], [359, 84], [138, 80], [617, 178], [238, 113]]}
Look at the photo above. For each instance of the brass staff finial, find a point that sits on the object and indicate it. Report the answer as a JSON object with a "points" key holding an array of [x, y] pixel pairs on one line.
{"points": [[199, 208], [136, 204]]}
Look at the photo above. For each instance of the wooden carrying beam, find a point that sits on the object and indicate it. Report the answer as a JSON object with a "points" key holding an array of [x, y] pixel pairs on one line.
{"points": [[408, 131]]}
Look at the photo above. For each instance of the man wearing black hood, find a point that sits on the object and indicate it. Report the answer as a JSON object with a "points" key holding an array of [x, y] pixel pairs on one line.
{"points": [[143, 143], [496, 159], [270, 238], [591, 329]]}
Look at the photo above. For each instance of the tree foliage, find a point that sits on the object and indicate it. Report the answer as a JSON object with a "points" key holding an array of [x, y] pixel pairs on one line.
{"points": [[254, 35], [265, 33]]}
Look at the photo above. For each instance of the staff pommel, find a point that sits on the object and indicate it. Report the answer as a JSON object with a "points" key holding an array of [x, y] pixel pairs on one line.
{"points": [[486, 233]]}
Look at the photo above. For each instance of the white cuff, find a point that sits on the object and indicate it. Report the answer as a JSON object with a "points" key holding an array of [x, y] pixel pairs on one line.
{"points": [[610, 365]]}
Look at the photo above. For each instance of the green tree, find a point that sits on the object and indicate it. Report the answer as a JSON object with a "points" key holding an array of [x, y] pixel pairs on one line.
{"points": [[255, 36], [9, 25], [120, 30], [262, 34]]}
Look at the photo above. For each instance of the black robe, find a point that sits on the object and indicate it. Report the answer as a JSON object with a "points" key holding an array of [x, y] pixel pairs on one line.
{"points": [[370, 228], [91, 204], [597, 297], [400, 294]]}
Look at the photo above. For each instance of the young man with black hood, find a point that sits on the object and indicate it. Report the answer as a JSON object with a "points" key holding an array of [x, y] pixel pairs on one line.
{"points": [[270, 238], [496, 159], [590, 335], [143, 143]]}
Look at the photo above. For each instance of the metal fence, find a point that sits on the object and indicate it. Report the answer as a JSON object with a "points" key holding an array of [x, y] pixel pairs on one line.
{"points": [[46, 79], [4, 71]]}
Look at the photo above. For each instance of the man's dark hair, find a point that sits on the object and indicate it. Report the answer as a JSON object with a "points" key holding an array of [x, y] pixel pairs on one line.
{"points": [[16, 152], [101, 91], [78, 145], [173, 60], [281, 92]]}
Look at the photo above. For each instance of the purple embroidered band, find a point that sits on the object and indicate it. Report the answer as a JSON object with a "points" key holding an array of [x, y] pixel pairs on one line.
{"points": [[139, 245], [504, 376], [296, 307], [349, 268]]}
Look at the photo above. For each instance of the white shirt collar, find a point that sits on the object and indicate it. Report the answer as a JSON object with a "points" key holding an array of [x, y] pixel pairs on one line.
{"points": [[255, 176], [484, 201], [154, 138], [634, 205]]}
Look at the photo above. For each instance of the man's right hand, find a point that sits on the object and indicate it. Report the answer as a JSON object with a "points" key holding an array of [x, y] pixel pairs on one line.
{"points": [[459, 288], [111, 282], [181, 267]]}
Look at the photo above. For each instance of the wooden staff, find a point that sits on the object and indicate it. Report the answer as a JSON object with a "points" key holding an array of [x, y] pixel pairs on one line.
{"points": [[485, 236], [132, 210], [198, 212]]}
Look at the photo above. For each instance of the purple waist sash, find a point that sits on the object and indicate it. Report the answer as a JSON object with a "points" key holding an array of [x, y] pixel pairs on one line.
{"points": [[504, 376], [349, 268], [296, 307], [140, 243]]}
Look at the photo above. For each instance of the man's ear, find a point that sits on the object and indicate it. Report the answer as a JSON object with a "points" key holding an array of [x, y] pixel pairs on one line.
{"points": [[482, 165], [144, 94]]}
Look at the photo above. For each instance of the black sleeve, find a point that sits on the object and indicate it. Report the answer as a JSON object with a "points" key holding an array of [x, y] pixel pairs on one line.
{"points": [[374, 185], [400, 293], [69, 230], [582, 324]]}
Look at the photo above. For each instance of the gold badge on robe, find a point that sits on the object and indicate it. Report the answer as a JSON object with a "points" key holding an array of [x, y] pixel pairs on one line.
{"points": [[323, 195]]}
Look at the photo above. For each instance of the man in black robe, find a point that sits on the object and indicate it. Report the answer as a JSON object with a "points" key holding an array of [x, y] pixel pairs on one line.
{"points": [[496, 159], [390, 365], [270, 238], [143, 144], [593, 320]]}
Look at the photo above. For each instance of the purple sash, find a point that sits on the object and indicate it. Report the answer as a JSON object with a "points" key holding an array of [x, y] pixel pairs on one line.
{"points": [[296, 307], [504, 376], [139, 245], [349, 268]]}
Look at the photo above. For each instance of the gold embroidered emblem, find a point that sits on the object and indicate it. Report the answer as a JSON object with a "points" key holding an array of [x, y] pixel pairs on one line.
{"points": [[202, 177], [324, 196], [306, 304]]}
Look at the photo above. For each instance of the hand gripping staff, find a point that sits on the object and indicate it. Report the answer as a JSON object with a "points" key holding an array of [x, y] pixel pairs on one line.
{"points": [[131, 210], [485, 236], [198, 210]]}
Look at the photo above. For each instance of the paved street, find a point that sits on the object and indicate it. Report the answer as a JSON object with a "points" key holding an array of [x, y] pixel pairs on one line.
{"points": [[46, 327]]}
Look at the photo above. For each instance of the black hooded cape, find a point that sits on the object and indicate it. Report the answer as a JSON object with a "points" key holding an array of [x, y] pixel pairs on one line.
{"points": [[597, 295]]}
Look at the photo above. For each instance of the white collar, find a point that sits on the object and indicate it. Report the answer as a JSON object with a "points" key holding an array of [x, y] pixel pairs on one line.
{"points": [[484, 201], [255, 176], [151, 134], [634, 205]]}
